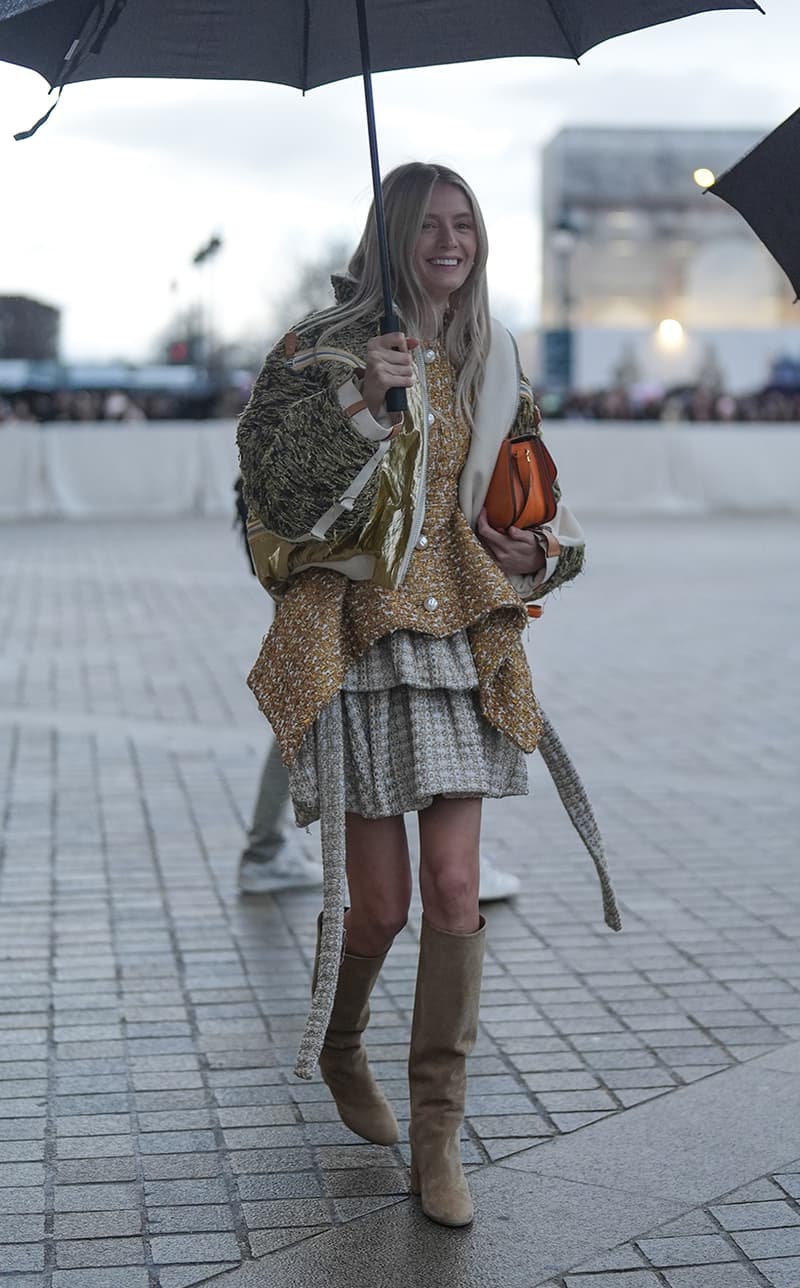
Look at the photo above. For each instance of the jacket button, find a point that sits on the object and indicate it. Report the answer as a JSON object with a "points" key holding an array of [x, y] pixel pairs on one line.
{"points": [[430, 355], [422, 544], [431, 418], [431, 603]]}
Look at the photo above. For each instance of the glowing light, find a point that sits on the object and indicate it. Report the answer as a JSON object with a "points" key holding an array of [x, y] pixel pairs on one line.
{"points": [[670, 334], [704, 177]]}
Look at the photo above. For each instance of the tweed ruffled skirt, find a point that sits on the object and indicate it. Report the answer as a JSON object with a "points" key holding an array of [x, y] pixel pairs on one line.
{"points": [[412, 729]]}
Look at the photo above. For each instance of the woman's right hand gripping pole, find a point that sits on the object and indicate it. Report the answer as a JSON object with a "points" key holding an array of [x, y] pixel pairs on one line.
{"points": [[389, 365]]}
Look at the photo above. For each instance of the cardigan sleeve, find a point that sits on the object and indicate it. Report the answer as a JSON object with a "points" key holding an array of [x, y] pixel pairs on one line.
{"points": [[562, 539], [308, 447]]}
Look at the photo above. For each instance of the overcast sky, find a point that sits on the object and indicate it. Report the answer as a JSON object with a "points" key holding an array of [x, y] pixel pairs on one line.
{"points": [[103, 209]]}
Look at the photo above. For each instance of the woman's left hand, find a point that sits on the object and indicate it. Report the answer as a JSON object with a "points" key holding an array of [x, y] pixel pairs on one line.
{"points": [[516, 551]]}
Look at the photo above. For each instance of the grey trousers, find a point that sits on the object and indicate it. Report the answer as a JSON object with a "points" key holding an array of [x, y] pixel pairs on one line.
{"points": [[268, 830]]}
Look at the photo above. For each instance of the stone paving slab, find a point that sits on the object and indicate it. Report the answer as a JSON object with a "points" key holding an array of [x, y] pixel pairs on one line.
{"points": [[577, 1201], [527, 1228], [691, 1145], [148, 1018], [715, 1246]]}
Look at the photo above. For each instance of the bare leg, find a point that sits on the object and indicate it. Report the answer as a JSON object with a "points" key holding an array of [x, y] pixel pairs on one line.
{"points": [[449, 874], [379, 879]]}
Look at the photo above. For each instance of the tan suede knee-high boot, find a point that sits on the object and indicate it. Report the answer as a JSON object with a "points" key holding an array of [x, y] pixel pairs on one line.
{"points": [[443, 1033], [343, 1061]]}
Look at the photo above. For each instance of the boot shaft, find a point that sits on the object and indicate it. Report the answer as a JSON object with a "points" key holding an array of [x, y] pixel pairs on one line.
{"points": [[445, 1025], [446, 1010], [357, 978]]}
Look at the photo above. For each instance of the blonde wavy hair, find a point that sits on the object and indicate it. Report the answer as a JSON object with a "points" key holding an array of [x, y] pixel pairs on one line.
{"points": [[406, 196]]}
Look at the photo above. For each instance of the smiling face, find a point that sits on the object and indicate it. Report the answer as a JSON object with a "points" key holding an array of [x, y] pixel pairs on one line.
{"points": [[446, 246]]}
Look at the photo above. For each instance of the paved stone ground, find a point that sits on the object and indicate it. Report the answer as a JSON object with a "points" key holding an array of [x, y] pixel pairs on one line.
{"points": [[151, 1134], [750, 1236]]}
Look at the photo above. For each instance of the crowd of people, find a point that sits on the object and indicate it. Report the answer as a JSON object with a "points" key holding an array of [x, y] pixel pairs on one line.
{"points": [[618, 403], [685, 404], [84, 405]]}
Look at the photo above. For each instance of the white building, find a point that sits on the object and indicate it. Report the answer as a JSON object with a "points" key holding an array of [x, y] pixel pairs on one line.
{"points": [[645, 277]]}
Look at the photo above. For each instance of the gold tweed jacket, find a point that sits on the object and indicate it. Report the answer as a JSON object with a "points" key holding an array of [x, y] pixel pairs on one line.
{"points": [[326, 486]]}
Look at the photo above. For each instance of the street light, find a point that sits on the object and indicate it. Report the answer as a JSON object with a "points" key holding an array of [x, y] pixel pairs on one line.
{"points": [[203, 256], [670, 335], [208, 251]]}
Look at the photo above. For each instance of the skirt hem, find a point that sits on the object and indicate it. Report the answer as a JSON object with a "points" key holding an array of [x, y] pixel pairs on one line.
{"points": [[413, 807]]}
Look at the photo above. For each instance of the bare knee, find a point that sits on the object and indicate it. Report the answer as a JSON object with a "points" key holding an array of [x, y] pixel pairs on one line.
{"points": [[379, 878], [372, 929], [450, 894], [449, 876], [386, 921]]}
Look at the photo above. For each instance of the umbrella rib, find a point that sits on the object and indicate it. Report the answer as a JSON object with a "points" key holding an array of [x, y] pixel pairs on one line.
{"points": [[75, 54], [105, 24], [568, 39]]}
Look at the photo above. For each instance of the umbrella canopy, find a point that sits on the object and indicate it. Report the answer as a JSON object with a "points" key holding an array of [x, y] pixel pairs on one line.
{"points": [[765, 187], [312, 43], [306, 43]]}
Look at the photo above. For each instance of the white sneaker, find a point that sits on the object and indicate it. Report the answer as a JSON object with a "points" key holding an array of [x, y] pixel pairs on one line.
{"points": [[496, 884], [284, 872]]}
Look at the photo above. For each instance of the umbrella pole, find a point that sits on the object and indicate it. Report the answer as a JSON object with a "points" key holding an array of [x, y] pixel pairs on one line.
{"points": [[395, 398]]}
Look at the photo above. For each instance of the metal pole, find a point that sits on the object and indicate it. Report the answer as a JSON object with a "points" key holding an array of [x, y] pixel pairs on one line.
{"points": [[395, 398]]}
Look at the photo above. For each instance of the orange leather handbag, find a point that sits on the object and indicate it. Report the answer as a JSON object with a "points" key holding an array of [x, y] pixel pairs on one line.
{"points": [[521, 489]]}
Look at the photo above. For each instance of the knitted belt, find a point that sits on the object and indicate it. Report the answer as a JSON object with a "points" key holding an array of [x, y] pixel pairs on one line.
{"points": [[330, 777]]}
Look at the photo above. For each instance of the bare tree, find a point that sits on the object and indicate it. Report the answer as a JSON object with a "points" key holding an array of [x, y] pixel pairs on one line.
{"points": [[310, 291], [312, 288]]}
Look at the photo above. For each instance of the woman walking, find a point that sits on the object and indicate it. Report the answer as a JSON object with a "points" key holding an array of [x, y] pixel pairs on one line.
{"points": [[394, 674]]}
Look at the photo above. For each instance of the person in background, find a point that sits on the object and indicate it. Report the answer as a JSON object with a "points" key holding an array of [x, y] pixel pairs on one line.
{"points": [[269, 863]]}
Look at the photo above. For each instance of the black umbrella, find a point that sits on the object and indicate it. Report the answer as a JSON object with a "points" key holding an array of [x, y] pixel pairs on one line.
{"points": [[765, 187], [307, 43]]}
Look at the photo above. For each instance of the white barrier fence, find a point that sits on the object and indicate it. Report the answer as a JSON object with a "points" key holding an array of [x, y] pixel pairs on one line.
{"points": [[165, 469], [83, 471]]}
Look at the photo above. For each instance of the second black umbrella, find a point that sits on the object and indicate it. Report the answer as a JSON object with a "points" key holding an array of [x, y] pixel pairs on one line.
{"points": [[765, 188]]}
